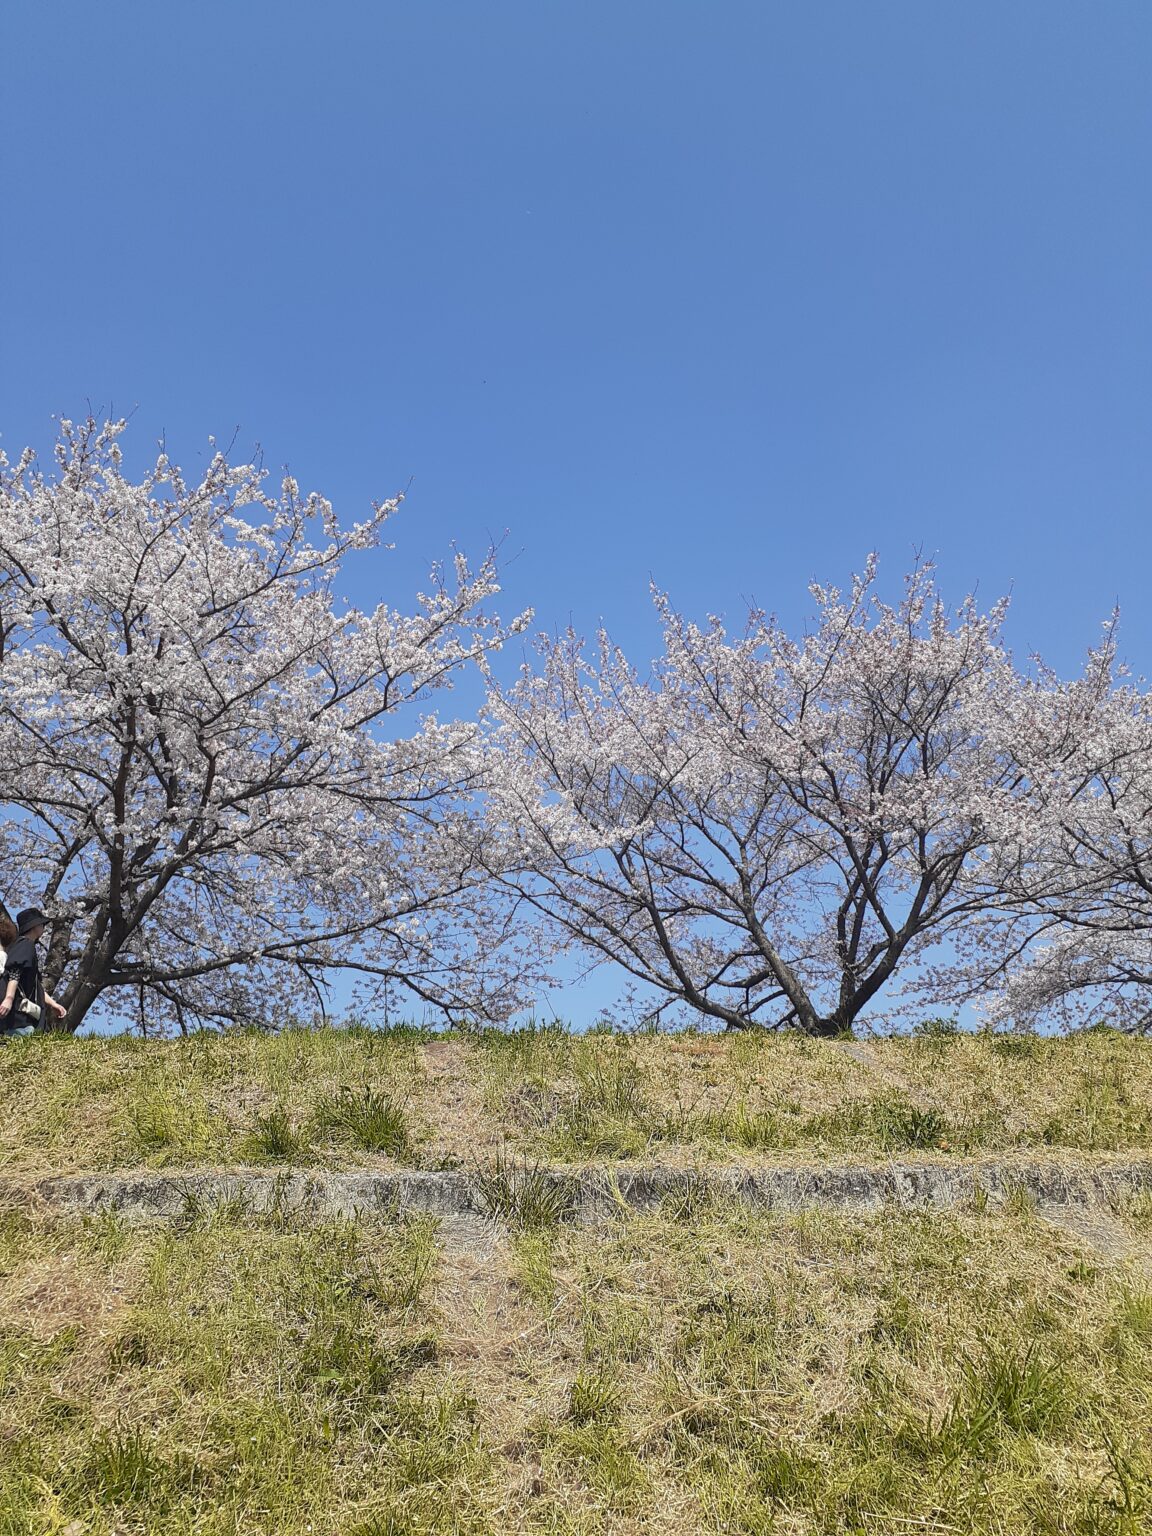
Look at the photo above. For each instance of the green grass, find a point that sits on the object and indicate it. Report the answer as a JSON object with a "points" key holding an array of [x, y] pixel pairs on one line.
{"points": [[700, 1368], [335, 1097], [368, 1119], [274, 1138], [260, 1376], [834, 1374], [525, 1196]]}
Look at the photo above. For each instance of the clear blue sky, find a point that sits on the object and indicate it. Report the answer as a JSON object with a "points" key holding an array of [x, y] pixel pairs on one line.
{"points": [[722, 293]]}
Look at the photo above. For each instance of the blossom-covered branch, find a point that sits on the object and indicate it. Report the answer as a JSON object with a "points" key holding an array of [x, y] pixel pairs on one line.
{"points": [[770, 828], [204, 775], [1074, 931]]}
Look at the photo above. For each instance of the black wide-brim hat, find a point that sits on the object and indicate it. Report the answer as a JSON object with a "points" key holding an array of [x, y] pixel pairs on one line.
{"points": [[30, 918]]}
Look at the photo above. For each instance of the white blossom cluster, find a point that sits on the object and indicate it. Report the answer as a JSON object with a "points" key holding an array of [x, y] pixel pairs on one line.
{"points": [[205, 782], [1072, 943], [218, 782], [882, 815]]}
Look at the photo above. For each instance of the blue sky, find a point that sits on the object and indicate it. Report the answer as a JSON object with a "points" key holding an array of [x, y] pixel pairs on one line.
{"points": [[722, 294]]}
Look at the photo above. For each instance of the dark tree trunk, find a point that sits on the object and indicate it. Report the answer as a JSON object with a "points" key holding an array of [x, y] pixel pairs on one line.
{"points": [[827, 1029], [78, 1000]]}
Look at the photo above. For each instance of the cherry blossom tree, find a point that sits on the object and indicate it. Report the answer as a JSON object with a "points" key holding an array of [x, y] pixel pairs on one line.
{"points": [[1073, 922], [205, 779], [769, 829]]}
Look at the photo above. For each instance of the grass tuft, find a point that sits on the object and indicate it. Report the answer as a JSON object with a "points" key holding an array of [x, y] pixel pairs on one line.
{"points": [[529, 1198], [273, 1138], [369, 1119], [1016, 1387], [124, 1467], [593, 1397]]}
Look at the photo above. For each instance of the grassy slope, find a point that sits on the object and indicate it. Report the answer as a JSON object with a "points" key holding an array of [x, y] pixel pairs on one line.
{"points": [[345, 1097], [697, 1369], [693, 1370]]}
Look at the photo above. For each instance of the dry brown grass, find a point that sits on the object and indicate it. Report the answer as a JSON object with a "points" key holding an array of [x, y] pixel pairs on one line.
{"points": [[700, 1368], [216, 1100]]}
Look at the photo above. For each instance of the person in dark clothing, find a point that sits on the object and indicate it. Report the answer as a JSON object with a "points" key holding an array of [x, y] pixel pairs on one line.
{"points": [[21, 981], [9, 933]]}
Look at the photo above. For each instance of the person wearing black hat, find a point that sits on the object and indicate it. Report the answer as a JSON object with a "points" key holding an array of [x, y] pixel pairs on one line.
{"points": [[24, 999]]}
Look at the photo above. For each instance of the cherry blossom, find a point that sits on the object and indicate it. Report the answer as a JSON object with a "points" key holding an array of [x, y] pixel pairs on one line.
{"points": [[216, 776], [1073, 933], [770, 829]]}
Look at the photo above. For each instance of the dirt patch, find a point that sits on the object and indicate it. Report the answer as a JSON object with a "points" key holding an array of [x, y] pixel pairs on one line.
{"points": [[865, 1056], [59, 1291], [1096, 1228], [516, 1362], [459, 1127]]}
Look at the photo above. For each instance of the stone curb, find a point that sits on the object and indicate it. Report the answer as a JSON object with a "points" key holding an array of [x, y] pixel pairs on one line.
{"points": [[590, 1194]]}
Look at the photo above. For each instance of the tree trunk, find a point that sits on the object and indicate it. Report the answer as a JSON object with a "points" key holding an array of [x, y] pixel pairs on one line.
{"points": [[78, 1000], [827, 1029]]}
